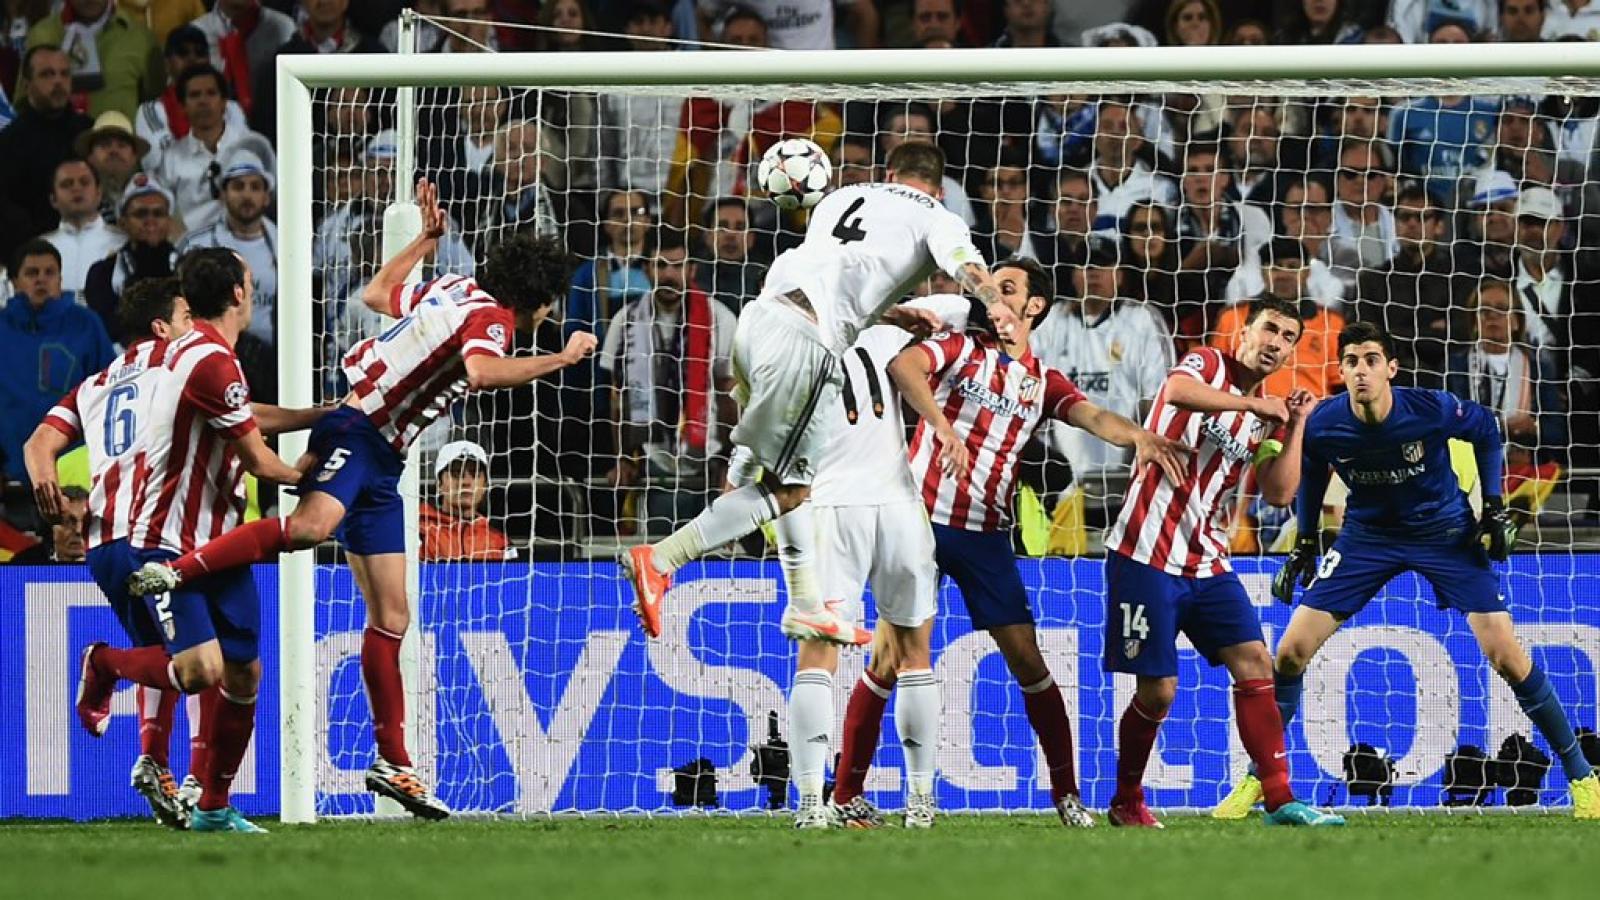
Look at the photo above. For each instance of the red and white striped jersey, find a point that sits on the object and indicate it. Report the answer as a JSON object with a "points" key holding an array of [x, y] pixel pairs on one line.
{"points": [[158, 423], [1183, 529], [405, 377], [109, 411], [994, 402]]}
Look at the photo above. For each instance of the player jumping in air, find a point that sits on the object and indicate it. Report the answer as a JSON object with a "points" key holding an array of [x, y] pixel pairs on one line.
{"points": [[451, 336], [980, 400], [1167, 564], [871, 527], [1406, 513], [171, 432], [866, 246]]}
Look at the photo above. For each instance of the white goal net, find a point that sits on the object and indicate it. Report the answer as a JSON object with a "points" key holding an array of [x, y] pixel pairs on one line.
{"points": [[1461, 215]]}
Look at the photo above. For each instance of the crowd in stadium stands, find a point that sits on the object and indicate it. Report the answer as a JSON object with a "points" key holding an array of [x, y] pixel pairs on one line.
{"points": [[134, 130]]}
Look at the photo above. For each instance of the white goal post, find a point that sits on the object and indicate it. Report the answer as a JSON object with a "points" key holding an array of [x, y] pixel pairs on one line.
{"points": [[1279, 71]]}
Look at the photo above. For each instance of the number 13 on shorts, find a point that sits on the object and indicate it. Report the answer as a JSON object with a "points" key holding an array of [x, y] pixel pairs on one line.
{"points": [[1134, 623]]}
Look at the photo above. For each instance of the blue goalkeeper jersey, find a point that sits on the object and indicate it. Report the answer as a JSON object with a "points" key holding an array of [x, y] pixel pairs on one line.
{"points": [[1402, 487]]}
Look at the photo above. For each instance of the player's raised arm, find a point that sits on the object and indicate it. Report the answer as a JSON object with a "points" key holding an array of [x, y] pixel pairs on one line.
{"points": [[1149, 448], [1189, 393], [1278, 469], [485, 372], [910, 371], [378, 295]]}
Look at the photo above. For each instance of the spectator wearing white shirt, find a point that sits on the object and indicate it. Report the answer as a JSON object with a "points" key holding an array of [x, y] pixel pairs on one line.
{"points": [[1114, 349], [243, 35], [1576, 19], [161, 121], [1119, 174], [800, 24], [83, 238], [639, 134], [1416, 19], [1363, 223], [1307, 218], [191, 166], [245, 229]]}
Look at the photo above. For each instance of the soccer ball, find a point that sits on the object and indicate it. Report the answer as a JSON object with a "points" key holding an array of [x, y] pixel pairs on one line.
{"points": [[795, 172]]}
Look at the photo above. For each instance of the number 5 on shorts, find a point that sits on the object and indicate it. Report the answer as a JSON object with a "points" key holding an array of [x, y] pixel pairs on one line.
{"points": [[333, 463], [1134, 621]]}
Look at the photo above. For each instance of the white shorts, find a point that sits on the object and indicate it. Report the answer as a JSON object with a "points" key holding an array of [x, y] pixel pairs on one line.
{"points": [[787, 384], [889, 546]]}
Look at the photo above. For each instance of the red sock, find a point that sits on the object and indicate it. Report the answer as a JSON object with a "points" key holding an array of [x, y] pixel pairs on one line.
{"points": [[258, 541], [1136, 737], [203, 710], [149, 666], [1047, 713], [155, 722], [1261, 729], [380, 669], [227, 735], [863, 716]]}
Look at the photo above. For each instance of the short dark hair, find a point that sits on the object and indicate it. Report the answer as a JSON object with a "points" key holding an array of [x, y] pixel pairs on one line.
{"points": [[146, 301], [200, 70], [208, 277], [27, 58], [1364, 332], [93, 172], [1270, 302], [34, 247], [1414, 193], [740, 11], [525, 272], [1280, 250], [888, 111], [1201, 148], [1040, 284], [75, 492], [917, 159], [662, 238]]}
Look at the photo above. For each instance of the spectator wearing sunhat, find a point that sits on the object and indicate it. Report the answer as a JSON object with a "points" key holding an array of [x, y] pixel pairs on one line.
{"points": [[452, 527], [162, 120], [191, 167], [113, 151], [244, 228], [145, 212]]}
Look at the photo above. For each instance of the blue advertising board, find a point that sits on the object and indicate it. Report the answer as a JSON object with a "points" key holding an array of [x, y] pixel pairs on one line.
{"points": [[544, 696]]}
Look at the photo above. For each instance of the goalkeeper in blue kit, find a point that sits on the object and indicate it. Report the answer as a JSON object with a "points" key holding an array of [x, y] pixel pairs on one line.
{"points": [[1406, 512]]}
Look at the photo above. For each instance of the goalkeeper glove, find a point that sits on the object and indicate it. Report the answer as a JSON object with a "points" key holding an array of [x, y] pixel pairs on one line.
{"points": [[1300, 566], [1496, 529]]}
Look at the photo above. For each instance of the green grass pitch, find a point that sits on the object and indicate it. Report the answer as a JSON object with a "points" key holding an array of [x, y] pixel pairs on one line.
{"points": [[1401, 856]]}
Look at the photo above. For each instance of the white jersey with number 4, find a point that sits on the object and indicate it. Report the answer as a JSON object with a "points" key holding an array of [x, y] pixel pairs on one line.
{"points": [[865, 463], [867, 246]]}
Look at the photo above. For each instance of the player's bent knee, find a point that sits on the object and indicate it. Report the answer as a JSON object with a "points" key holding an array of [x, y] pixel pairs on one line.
{"points": [[241, 679], [1156, 694], [197, 670]]}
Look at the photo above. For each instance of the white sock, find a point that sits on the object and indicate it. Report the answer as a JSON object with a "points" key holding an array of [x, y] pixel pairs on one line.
{"points": [[797, 541], [810, 727], [916, 718], [730, 517]]}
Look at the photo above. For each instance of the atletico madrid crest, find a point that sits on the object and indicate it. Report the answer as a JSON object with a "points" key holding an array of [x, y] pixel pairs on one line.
{"points": [[1030, 390], [1131, 648], [1412, 452]]}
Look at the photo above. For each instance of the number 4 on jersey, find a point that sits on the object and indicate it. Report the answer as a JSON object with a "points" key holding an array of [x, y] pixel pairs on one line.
{"points": [[847, 230]]}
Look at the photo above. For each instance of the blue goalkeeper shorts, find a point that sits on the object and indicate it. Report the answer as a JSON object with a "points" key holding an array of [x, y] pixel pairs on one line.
{"points": [[1355, 569]]}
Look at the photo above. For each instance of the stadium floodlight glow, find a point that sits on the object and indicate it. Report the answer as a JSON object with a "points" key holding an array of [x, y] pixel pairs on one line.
{"points": [[536, 752]]}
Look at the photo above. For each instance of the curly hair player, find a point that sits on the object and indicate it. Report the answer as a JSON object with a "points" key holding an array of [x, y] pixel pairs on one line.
{"points": [[1406, 513], [451, 335]]}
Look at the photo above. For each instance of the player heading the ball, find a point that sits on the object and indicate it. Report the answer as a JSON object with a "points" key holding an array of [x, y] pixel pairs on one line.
{"points": [[451, 335], [866, 247]]}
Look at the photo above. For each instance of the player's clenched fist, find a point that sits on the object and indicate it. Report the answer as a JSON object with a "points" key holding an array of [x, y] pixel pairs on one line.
{"points": [[579, 346], [1301, 566], [1270, 409]]}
